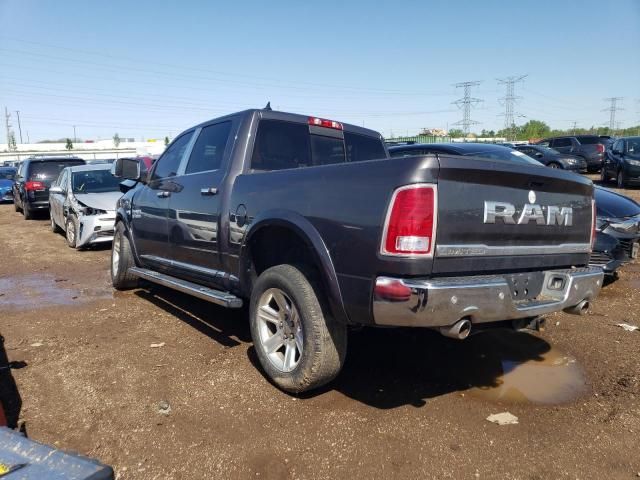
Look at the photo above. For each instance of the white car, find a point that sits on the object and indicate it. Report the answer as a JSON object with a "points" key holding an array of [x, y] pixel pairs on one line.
{"points": [[82, 203]]}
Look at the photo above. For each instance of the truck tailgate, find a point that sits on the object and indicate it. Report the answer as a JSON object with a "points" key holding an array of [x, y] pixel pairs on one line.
{"points": [[498, 216]]}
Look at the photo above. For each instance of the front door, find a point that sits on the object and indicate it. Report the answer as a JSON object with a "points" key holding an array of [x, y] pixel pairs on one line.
{"points": [[194, 216], [151, 204]]}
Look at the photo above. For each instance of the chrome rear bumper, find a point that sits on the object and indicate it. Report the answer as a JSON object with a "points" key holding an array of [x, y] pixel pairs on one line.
{"points": [[443, 301]]}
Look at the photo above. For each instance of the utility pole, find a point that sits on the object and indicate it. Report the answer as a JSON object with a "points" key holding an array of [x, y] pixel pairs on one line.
{"points": [[465, 103], [613, 109], [7, 116], [574, 126], [509, 101], [74, 135], [19, 126]]}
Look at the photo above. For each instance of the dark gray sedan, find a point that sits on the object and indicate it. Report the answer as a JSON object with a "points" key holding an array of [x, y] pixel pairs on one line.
{"points": [[553, 158]]}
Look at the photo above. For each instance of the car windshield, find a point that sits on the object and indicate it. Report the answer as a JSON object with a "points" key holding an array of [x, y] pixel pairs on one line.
{"points": [[47, 171], [549, 150], [612, 205], [94, 181], [506, 154], [7, 174], [589, 140]]}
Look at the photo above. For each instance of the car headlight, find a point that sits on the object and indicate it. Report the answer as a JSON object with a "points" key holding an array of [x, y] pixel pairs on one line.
{"points": [[92, 211], [635, 163], [571, 161]]}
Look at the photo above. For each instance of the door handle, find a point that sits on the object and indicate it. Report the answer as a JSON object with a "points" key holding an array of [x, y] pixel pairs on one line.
{"points": [[208, 191], [163, 194]]}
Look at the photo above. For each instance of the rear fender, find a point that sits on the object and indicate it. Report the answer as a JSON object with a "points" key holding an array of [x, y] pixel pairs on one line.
{"points": [[301, 227]]}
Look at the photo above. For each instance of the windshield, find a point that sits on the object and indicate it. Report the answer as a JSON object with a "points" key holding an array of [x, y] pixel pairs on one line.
{"points": [[94, 181], [48, 171], [7, 174], [506, 154], [549, 150], [612, 205]]}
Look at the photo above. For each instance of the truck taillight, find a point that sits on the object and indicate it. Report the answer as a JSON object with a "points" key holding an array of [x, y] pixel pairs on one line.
{"points": [[322, 122], [33, 186], [593, 223], [410, 226], [600, 148]]}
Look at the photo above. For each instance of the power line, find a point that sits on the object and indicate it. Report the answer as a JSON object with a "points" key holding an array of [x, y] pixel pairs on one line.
{"points": [[613, 109], [465, 103], [509, 101]]}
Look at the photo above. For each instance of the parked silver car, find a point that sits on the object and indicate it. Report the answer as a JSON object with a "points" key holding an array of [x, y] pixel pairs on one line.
{"points": [[82, 203]]}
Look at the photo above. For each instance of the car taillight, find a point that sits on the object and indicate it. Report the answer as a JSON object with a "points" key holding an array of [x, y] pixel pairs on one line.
{"points": [[600, 148], [33, 186], [593, 223], [410, 226], [321, 122]]}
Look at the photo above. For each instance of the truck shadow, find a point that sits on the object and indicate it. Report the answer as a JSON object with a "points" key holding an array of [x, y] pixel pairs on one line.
{"points": [[10, 400], [385, 367], [227, 327], [390, 368]]}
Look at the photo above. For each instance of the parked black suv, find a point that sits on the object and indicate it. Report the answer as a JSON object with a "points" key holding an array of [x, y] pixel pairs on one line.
{"points": [[589, 147], [31, 188], [622, 161]]}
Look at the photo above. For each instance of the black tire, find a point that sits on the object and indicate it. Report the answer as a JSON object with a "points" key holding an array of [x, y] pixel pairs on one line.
{"points": [[603, 176], [26, 212], [620, 180], [121, 279], [324, 339], [54, 226], [71, 231]]}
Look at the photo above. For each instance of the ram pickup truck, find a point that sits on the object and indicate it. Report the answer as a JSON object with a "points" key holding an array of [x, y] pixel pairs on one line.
{"points": [[311, 223]]}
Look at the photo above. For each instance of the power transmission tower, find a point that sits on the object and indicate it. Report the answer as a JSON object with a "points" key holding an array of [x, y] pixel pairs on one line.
{"points": [[19, 126], [509, 101], [574, 125], [465, 103], [613, 109]]}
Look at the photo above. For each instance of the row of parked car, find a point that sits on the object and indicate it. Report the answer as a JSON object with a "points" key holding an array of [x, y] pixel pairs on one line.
{"points": [[310, 222]]}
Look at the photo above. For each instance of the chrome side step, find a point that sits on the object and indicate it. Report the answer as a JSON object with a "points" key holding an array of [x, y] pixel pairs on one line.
{"points": [[209, 294]]}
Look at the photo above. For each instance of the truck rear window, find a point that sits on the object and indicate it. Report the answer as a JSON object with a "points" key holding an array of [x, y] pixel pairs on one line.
{"points": [[281, 145]]}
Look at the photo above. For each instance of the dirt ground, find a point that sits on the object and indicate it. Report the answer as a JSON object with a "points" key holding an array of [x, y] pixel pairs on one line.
{"points": [[163, 386]]}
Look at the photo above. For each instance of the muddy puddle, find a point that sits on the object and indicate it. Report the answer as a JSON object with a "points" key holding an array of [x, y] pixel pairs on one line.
{"points": [[22, 292]]}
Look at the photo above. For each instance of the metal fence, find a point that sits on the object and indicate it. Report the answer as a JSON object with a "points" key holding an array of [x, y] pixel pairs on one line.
{"points": [[418, 139]]}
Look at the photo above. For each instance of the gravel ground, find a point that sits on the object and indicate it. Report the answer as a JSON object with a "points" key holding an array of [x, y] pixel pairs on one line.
{"points": [[163, 386]]}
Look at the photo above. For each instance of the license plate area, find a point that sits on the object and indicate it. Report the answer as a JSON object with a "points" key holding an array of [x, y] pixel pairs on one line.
{"points": [[525, 286]]}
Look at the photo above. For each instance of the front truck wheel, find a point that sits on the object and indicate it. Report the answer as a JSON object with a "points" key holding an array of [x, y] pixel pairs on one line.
{"points": [[299, 344], [121, 260]]}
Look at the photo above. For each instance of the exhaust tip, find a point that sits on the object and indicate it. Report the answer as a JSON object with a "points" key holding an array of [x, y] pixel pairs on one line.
{"points": [[458, 331], [580, 309]]}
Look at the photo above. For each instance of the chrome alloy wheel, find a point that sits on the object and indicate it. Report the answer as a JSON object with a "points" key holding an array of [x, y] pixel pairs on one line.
{"points": [[115, 254], [280, 329], [71, 233]]}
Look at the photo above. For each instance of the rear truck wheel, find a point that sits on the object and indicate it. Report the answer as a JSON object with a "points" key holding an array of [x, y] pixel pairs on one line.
{"points": [[54, 226], [298, 343], [620, 180], [121, 260], [71, 231]]}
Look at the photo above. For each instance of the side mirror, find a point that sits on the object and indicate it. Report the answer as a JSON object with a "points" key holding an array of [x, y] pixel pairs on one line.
{"points": [[56, 189], [127, 168]]}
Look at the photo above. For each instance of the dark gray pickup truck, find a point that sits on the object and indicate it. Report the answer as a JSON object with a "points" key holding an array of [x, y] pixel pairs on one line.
{"points": [[310, 222]]}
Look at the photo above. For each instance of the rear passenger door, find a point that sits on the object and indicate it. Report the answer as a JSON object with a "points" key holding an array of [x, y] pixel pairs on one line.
{"points": [[195, 207]]}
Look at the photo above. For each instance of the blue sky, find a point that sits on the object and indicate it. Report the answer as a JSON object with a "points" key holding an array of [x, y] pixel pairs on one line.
{"points": [[153, 68]]}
